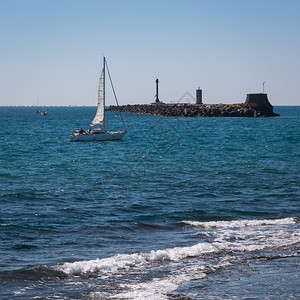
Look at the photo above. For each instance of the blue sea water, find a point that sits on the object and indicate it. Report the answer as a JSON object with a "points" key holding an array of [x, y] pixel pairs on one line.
{"points": [[181, 208]]}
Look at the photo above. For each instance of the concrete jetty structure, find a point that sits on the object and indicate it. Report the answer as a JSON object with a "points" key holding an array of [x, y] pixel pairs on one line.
{"points": [[260, 103], [256, 105]]}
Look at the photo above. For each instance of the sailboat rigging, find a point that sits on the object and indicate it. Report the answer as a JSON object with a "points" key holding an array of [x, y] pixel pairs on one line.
{"points": [[98, 131]]}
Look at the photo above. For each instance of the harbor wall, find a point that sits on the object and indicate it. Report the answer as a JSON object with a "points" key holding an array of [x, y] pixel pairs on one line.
{"points": [[256, 105]]}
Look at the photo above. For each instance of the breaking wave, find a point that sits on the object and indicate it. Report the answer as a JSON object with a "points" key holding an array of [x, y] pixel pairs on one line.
{"points": [[240, 223], [230, 239]]}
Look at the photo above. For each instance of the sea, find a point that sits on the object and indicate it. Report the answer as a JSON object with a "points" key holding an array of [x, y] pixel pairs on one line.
{"points": [[181, 208]]}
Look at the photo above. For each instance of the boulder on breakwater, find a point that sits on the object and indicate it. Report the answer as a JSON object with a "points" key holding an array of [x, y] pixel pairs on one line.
{"points": [[256, 105]]}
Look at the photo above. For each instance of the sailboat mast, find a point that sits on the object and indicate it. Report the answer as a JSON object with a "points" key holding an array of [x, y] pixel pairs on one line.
{"points": [[104, 62]]}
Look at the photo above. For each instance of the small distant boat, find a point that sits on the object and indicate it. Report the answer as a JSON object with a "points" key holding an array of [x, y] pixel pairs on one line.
{"points": [[37, 108], [99, 133]]}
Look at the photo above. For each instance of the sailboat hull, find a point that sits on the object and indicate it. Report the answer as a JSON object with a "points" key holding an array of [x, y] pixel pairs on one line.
{"points": [[97, 136]]}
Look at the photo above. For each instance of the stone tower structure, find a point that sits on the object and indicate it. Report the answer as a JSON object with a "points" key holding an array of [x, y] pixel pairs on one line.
{"points": [[156, 96], [260, 103], [198, 96]]}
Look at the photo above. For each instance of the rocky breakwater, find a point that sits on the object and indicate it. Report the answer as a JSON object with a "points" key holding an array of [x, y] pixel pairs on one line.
{"points": [[253, 107]]}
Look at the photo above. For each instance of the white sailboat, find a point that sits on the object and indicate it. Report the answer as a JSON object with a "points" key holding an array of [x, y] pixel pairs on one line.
{"points": [[99, 133]]}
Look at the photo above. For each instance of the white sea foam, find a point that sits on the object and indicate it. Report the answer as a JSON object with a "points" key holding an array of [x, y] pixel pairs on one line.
{"points": [[233, 236], [157, 288], [126, 261], [240, 223], [225, 244]]}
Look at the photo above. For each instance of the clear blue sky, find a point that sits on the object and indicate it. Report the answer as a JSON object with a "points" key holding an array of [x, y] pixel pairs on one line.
{"points": [[52, 50]]}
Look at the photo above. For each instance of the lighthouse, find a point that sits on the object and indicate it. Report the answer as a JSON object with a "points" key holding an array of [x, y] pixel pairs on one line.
{"points": [[156, 96]]}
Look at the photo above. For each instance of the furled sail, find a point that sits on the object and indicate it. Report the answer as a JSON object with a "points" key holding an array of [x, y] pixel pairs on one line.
{"points": [[99, 117]]}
